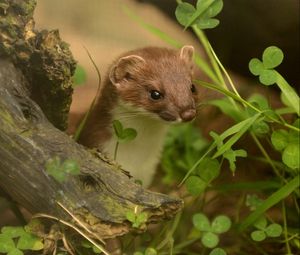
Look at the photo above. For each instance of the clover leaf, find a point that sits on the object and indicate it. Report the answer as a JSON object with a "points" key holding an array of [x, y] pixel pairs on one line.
{"points": [[271, 58], [231, 156], [211, 230], [263, 230], [201, 16], [287, 143], [137, 219], [217, 251], [61, 170], [123, 134]]}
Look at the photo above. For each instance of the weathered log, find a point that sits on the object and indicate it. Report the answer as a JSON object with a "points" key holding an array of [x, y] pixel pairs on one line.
{"points": [[39, 66], [100, 196]]}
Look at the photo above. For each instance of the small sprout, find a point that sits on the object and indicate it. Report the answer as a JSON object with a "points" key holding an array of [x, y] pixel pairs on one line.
{"points": [[231, 156], [60, 171], [252, 201], [123, 135], [137, 219]]}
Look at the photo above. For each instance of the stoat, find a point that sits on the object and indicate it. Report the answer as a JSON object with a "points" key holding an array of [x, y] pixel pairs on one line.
{"points": [[146, 89]]}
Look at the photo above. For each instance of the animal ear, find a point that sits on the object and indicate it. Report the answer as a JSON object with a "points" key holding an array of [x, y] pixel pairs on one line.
{"points": [[125, 67], [186, 54]]}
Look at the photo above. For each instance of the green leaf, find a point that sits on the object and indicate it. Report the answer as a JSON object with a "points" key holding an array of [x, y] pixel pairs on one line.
{"points": [[210, 240], [228, 108], [256, 67], [141, 218], [15, 252], [208, 169], [221, 224], [273, 230], [268, 77], [96, 249], [6, 243], [260, 127], [276, 197], [238, 130], [207, 23], [195, 185], [261, 223], [138, 253], [201, 222], [258, 235], [279, 139], [79, 76], [70, 166], [272, 57], [128, 135], [30, 242], [289, 93], [291, 156], [231, 156], [53, 168], [150, 251], [13, 232], [217, 251], [218, 139], [131, 216], [202, 6], [118, 128], [252, 201], [214, 9], [184, 13]]}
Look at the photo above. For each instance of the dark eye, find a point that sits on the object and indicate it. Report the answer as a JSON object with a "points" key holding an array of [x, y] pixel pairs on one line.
{"points": [[155, 95], [193, 88]]}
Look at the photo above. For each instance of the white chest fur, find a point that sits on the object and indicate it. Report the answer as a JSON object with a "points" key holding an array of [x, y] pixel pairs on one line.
{"points": [[141, 155]]}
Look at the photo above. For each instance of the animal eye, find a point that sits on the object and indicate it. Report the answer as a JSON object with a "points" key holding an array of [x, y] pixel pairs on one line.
{"points": [[193, 88], [155, 95]]}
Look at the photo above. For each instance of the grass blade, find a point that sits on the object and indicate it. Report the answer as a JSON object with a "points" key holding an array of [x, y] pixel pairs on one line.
{"points": [[275, 198]]}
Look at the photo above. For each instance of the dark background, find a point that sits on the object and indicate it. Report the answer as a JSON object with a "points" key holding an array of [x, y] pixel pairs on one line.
{"points": [[248, 27]]}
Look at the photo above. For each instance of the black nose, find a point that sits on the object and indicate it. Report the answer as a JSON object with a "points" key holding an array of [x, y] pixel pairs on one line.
{"points": [[188, 115]]}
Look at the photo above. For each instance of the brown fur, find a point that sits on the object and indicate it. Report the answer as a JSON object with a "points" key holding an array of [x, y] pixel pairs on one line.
{"points": [[132, 77]]}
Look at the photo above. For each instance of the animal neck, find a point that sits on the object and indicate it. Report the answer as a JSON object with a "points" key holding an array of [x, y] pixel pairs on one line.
{"points": [[141, 155]]}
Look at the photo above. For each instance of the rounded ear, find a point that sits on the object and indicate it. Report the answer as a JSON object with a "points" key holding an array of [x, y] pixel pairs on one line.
{"points": [[125, 67], [186, 54]]}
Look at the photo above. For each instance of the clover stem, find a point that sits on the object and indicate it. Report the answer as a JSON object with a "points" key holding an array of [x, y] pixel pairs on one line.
{"points": [[116, 150], [288, 248]]}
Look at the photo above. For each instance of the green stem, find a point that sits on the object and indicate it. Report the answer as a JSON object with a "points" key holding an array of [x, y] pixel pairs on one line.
{"points": [[242, 101], [289, 93], [116, 150], [204, 41], [171, 232], [287, 244], [266, 155]]}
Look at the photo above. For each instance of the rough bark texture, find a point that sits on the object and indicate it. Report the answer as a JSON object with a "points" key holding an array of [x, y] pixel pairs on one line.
{"points": [[101, 195], [42, 56]]}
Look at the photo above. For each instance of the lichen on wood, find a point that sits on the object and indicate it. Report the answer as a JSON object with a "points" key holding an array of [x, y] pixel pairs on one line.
{"points": [[44, 58]]}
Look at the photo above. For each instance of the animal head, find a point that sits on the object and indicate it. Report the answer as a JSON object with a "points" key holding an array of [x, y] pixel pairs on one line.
{"points": [[159, 81]]}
